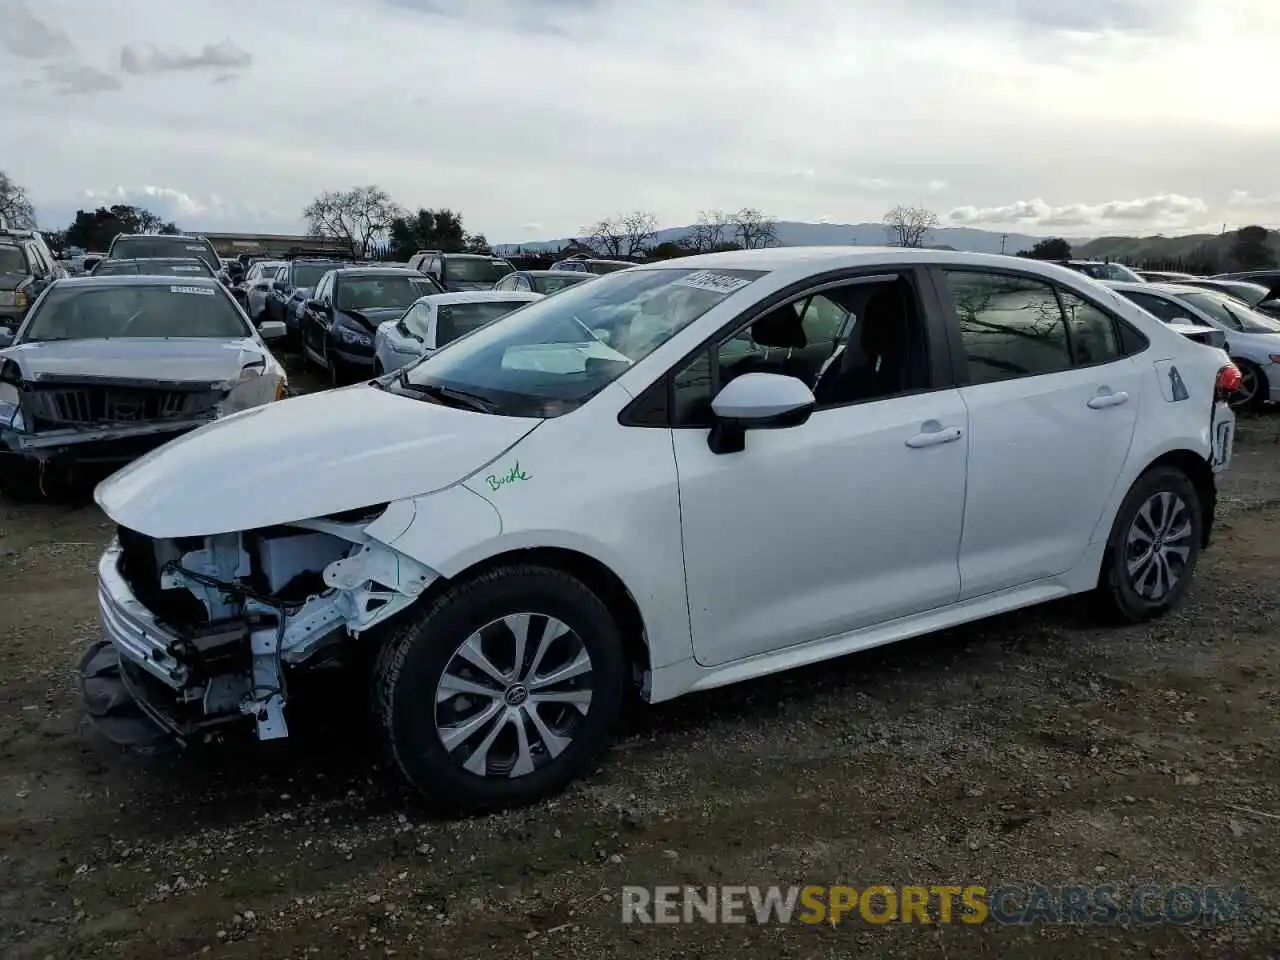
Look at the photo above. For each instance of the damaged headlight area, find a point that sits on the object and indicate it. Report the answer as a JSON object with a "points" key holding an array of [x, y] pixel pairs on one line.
{"points": [[200, 633], [11, 408]]}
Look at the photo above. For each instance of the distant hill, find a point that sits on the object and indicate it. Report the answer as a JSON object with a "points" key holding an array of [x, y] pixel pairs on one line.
{"points": [[796, 234], [1207, 252]]}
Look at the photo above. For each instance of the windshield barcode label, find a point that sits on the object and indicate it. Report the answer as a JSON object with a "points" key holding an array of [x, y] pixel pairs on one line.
{"points": [[714, 282], [200, 291]]}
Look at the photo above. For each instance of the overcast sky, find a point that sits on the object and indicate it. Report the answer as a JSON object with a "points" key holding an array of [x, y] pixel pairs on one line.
{"points": [[536, 117]]}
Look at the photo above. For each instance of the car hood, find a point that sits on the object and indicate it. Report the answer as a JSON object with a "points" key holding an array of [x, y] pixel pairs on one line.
{"points": [[142, 361], [370, 317], [307, 457]]}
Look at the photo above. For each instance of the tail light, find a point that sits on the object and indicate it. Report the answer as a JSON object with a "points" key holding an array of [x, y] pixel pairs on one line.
{"points": [[282, 389], [1227, 382]]}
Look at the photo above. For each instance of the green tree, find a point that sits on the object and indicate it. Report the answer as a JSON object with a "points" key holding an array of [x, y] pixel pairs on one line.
{"points": [[1251, 250], [1051, 248], [95, 229], [427, 230]]}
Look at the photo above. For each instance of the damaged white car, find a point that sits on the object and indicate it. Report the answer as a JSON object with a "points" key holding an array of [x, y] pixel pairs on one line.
{"points": [[675, 477], [104, 369]]}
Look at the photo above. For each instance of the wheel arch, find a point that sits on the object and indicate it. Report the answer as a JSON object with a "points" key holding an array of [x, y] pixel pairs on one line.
{"points": [[597, 576], [1200, 474]]}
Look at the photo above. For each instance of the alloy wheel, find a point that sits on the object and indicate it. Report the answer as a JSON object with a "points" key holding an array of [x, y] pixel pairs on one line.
{"points": [[513, 696], [1158, 545]]}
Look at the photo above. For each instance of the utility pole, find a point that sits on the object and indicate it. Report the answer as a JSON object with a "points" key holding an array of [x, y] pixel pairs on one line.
{"points": [[1003, 238]]}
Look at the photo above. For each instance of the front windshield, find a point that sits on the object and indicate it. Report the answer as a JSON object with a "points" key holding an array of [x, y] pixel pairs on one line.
{"points": [[12, 259], [147, 247], [309, 274], [455, 319], [1118, 271], [160, 310], [555, 354], [157, 268], [388, 290], [475, 269], [554, 284], [1231, 313]]}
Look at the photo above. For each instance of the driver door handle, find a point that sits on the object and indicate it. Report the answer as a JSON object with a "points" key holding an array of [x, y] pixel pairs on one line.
{"points": [[934, 434], [1108, 399]]}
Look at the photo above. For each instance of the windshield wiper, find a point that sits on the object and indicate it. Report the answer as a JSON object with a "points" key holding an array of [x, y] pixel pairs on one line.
{"points": [[449, 396]]}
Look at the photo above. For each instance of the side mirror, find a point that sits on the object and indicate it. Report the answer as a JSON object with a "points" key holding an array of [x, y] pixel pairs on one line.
{"points": [[6, 337], [757, 401], [272, 330], [315, 305], [89, 263], [279, 286]]}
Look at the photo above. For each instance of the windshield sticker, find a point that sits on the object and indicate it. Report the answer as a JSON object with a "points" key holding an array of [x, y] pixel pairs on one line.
{"points": [[514, 475], [195, 246], [181, 269], [200, 291], [713, 282]]}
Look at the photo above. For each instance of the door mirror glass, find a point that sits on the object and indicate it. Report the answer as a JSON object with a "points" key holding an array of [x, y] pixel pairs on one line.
{"points": [[757, 401], [90, 263], [6, 336]]}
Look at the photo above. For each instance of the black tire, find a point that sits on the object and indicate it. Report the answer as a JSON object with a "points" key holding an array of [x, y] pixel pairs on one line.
{"points": [[1261, 391], [1119, 598], [416, 654]]}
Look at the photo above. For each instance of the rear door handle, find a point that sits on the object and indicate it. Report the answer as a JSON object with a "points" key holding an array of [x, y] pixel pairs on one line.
{"points": [[1103, 400], [934, 435]]}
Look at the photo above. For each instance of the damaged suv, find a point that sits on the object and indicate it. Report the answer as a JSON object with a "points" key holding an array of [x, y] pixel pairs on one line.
{"points": [[106, 368], [674, 477]]}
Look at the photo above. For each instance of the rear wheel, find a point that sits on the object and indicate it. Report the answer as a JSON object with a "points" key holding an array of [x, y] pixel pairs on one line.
{"points": [[503, 690], [1153, 548]]}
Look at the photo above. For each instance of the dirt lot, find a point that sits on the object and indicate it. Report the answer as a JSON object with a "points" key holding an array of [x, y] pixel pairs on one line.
{"points": [[1033, 748]]}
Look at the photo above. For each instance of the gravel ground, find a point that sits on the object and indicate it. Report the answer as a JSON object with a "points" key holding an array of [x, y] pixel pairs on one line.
{"points": [[1033, 748]]}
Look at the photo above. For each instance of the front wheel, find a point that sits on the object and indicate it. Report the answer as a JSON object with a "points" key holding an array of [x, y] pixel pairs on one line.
{"points": [[503, 690], [1154, 544]]}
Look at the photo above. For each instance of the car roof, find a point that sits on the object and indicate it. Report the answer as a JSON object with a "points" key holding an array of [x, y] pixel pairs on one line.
{"points": [[575, 274], [137, 280], [802, 262], [479, 296], [473, 256], [157, 260], [379, 271], [160, 236], [1157, 286]]}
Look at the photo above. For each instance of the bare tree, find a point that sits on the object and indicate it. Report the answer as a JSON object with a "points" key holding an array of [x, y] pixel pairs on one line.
{"points": [[358, 217], [638, 229], [605, 236], [15, 208], [711, 232], [753, 229], [626, 235], [909, 226]]}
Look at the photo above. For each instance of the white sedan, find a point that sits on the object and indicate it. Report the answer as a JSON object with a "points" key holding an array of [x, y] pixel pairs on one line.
{"points": [[675, 477], [1253, 338], [437, 319]]}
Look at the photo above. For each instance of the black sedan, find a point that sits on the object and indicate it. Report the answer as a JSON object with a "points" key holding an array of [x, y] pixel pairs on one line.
{"points": [[339, 320]]}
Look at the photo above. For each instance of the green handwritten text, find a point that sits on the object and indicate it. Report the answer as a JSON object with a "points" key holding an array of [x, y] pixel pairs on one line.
{"points": [[514, 475]]}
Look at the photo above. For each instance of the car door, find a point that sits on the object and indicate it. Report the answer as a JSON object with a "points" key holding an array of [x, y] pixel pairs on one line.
{"points": [[316, 318], [1052, 405], [850, 519]]}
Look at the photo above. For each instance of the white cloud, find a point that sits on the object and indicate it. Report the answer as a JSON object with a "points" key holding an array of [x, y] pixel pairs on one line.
{"points": [[1161, 210], [570, 110], [25, 35], [148, 58]]}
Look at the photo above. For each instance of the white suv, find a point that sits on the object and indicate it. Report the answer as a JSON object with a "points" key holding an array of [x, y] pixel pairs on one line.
{"points": [[669, 479]]}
